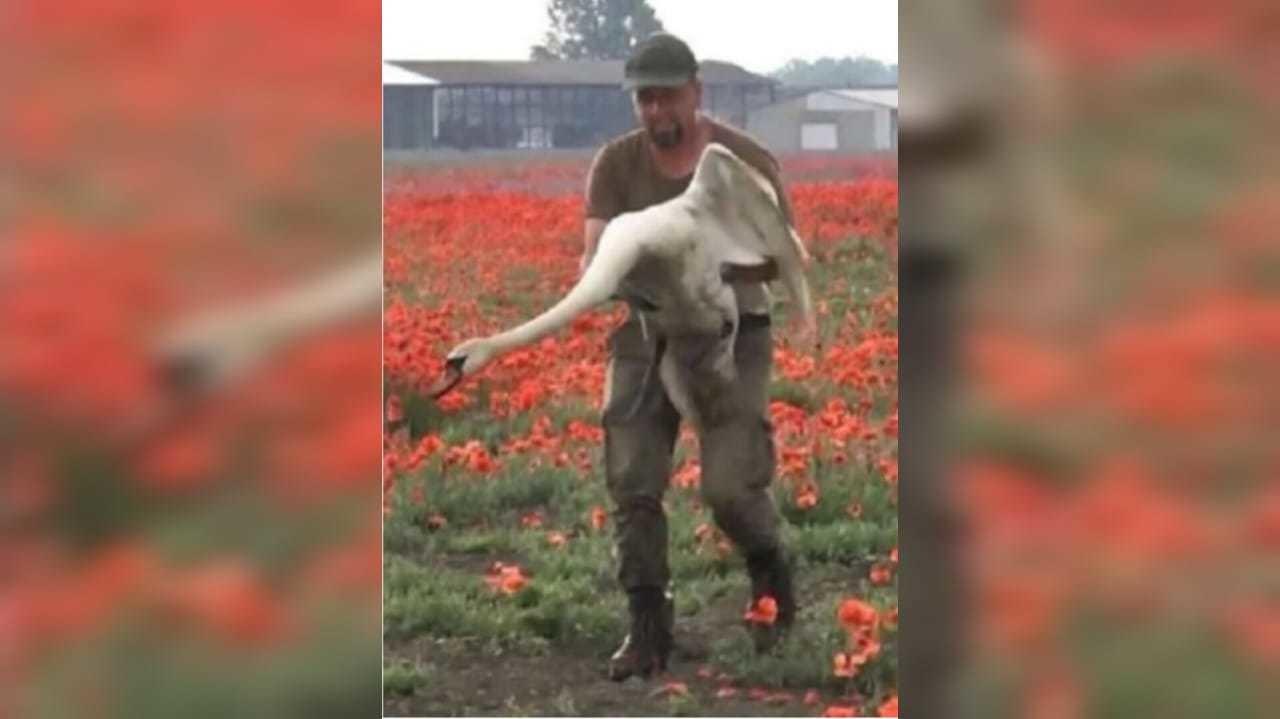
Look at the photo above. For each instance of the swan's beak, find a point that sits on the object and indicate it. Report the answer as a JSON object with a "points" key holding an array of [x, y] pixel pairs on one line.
{"points": [[452, 376]]}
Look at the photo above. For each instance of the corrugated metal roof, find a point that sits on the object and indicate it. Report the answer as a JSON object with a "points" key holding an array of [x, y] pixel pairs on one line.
{"points": [[555, 72], [393, 75], [882, 96]]}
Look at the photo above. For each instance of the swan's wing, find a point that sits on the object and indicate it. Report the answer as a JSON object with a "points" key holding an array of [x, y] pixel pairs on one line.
{"points": [[752, 221]]}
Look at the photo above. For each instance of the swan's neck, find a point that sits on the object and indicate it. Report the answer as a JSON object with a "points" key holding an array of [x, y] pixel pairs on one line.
{"points": [[615, 257], [544, 324]]}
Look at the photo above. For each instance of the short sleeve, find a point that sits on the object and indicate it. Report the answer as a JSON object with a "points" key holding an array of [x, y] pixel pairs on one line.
{"points": [[603, 196]]}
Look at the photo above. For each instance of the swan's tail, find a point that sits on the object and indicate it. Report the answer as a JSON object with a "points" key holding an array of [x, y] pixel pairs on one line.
{"points": [[660, 349]]}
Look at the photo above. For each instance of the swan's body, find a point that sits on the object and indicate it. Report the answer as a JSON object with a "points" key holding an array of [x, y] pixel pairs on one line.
{"points": [[667, 261]]}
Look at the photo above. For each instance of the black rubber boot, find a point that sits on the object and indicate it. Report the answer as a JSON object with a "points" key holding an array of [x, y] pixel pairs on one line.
{"points": [[648, 646], [771, 577]]}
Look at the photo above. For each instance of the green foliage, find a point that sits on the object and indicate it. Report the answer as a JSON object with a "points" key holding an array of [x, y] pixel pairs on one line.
{"points": [[401, 678], [595, 29], [326, 675], [842, 72]]}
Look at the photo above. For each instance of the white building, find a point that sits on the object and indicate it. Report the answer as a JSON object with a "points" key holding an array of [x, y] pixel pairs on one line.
{"points": [[506, 104], [855, 120]]}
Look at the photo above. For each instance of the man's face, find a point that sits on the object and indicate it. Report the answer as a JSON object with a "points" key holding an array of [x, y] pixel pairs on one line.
{"points": [[668, 113]]}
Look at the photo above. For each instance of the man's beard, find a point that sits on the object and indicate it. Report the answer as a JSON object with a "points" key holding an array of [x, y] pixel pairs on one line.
{"points": [[668, 138]]}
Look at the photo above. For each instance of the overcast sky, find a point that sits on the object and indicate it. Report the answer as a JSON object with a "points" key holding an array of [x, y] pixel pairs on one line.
{"points": [[759, 35]]}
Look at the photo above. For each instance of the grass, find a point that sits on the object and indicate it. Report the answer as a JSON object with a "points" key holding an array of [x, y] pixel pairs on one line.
{"points": [[572, 612]]}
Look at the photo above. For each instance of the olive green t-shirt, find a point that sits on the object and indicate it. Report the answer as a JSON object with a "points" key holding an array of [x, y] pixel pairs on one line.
{"points": [[624, 178]]}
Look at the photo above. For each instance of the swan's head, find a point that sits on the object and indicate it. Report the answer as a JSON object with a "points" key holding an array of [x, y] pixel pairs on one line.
{"points": [[214, 351], [463, 361]]}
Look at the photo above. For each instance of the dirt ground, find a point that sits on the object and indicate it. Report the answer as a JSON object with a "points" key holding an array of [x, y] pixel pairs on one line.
{"points": [[468, 678]]}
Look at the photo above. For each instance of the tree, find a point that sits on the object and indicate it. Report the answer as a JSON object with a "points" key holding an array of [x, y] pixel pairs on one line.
{"points": [[595, 29], [842, 72]]}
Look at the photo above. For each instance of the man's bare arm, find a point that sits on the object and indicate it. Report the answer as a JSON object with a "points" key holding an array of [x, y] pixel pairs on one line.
{"points": [[590, 239]]}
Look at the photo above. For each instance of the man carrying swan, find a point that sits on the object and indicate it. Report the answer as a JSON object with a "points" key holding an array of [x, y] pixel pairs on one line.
{"points": [[686, 218], [640, 169]]}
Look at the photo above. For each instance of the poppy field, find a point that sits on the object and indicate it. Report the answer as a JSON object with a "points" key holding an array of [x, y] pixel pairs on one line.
{"points": [[1119, 463], [500, 594]]}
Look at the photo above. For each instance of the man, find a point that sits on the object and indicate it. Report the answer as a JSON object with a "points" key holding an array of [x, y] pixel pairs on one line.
{"points": [[642, 168]]}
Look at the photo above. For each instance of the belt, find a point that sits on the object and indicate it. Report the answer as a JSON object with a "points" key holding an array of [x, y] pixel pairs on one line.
{"points": [[745, 323], [753, 321], [731, 272], [766, 271]]}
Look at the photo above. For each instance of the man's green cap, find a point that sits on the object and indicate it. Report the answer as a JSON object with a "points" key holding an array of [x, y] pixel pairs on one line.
{"points": [[660, 60]]}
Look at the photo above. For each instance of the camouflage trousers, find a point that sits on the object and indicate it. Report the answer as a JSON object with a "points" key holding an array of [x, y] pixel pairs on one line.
{"points": [[641, 425]]}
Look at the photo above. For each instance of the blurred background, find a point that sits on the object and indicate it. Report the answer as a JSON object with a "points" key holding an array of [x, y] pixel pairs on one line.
{"points": [[1089, 187], [1091, 326], [187, 526]]}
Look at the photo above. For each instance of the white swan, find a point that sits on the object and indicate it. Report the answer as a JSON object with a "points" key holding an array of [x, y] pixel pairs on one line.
{"points": [[671, 261], [202, 355], [217, 348]]}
